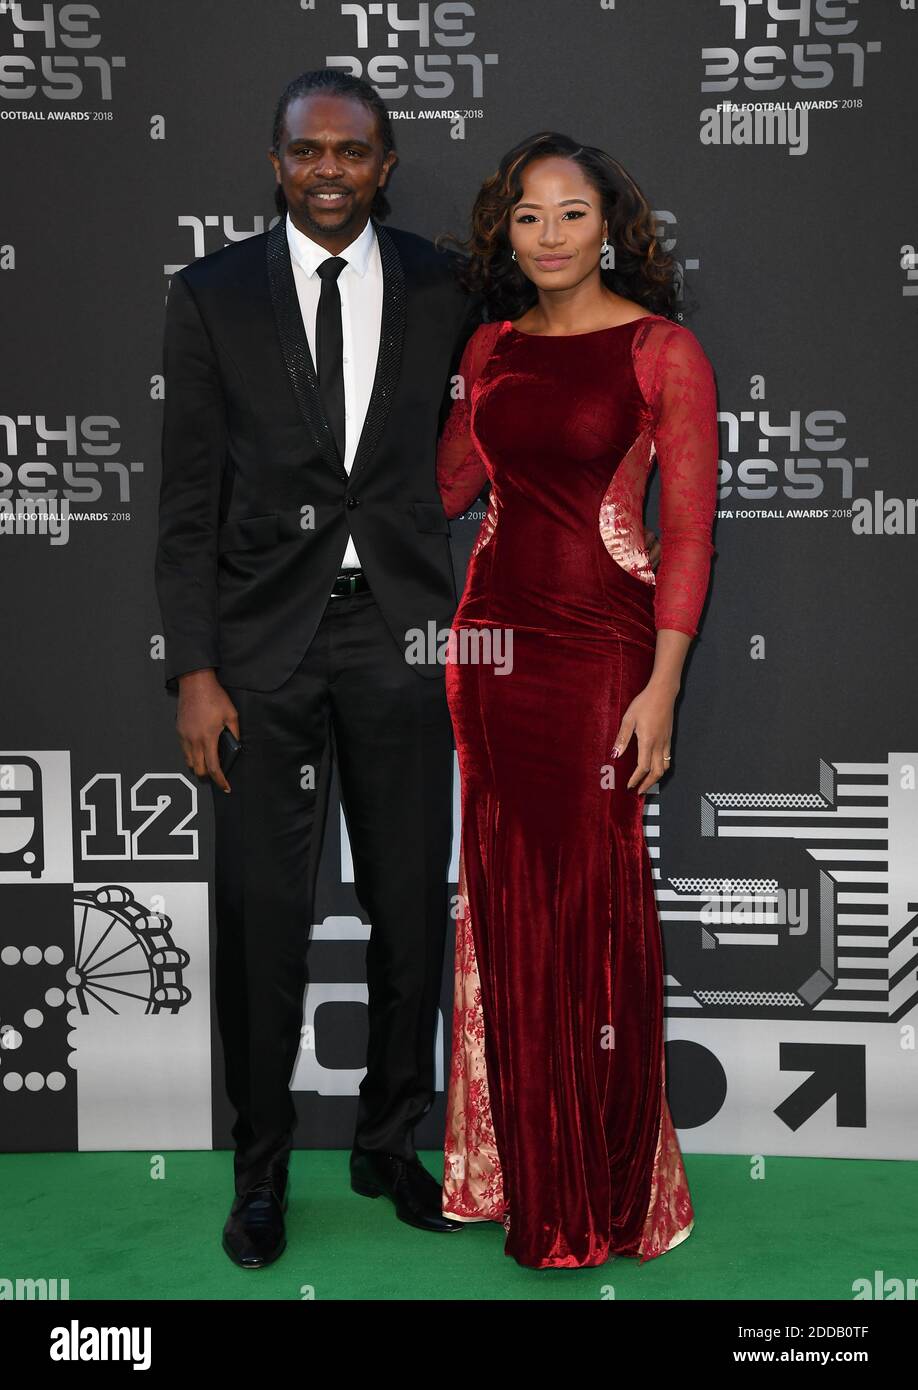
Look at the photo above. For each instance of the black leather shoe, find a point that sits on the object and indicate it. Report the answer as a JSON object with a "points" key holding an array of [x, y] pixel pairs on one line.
{"points": [[254, 1234], [418, 1197]]}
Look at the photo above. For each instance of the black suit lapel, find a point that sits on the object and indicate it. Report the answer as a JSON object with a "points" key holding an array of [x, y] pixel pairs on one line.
{"points": [[391, 340], [298, 358]]}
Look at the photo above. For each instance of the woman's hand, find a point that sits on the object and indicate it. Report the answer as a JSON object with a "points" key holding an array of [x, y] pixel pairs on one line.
{"points": [[650, 718]]}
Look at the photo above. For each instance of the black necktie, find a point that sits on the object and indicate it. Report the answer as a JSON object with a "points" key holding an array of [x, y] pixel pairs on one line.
{"points": [[330, 348]]}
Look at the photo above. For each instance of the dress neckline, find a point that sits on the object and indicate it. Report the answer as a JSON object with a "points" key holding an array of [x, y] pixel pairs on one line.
{"points": [[591, 333]]}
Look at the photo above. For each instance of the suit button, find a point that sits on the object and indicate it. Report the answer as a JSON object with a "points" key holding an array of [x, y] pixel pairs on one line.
{"points": [[351, 502]]}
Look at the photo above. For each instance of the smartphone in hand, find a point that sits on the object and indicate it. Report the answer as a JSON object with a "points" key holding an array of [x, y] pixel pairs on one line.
{"points": [[228, 749]]}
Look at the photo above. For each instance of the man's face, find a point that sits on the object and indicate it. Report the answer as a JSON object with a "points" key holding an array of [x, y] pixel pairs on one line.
{"points": [[329, 164]]}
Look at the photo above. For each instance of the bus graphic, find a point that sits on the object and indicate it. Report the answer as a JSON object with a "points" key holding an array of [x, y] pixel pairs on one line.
{"points": [[22, 840]]}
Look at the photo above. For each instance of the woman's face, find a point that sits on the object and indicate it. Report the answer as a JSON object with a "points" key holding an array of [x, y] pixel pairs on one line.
{"points": [[557, 227]]}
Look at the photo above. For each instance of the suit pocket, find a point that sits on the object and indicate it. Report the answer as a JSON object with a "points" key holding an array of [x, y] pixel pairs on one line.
{"points": [[248, 533], [430, 516]]}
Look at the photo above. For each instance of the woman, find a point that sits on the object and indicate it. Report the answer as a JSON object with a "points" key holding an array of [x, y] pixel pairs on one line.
{"points": [[558, 1124]]}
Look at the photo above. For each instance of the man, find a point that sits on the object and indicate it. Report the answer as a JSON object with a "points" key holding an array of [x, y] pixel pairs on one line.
{"points": [[301, 538]]}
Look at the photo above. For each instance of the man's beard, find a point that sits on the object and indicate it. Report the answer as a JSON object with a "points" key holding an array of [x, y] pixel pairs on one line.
{"points": [[333, 229]]}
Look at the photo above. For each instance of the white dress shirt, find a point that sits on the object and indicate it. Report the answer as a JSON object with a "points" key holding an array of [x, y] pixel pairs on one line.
{"points": [[361, 287]]}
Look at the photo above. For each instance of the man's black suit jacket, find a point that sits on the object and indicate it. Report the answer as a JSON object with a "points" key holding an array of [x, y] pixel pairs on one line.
{"points": [[255, 504]]}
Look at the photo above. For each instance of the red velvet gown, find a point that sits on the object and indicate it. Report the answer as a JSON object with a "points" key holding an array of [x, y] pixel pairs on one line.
{"points": [[557, 1120]]}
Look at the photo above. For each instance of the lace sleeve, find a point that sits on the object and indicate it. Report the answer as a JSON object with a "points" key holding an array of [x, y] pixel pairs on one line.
{"points": [[678, 381], [461, 473]]}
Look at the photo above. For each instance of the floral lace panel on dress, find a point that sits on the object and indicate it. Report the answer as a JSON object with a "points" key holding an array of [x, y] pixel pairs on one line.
{"points": [[670, 1216], [621, 513], [473, 1182], [488, 525]]}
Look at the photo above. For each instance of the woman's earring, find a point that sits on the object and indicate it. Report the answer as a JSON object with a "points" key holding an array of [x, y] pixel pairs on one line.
{"points": [[513, 255], [605, 245]]}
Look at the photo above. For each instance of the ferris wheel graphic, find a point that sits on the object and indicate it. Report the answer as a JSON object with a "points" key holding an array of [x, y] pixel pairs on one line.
{"points": [[126, 960]]}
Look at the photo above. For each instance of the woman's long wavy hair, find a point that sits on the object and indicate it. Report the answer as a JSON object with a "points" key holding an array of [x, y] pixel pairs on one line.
{"points": [[642, 270]]}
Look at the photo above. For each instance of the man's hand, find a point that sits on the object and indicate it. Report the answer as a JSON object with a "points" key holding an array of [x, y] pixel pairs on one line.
{"points": [[203, 709], [653, 547]]}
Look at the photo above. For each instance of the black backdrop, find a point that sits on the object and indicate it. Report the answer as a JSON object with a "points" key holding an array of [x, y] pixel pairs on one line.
{"points": [[134, 139]]}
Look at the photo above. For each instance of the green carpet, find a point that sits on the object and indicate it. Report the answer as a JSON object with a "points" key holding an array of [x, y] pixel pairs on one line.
{"points": [[806, 1230]]}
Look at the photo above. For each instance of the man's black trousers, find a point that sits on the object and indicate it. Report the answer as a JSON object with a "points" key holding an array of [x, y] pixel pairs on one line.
{"points": [[355, 699]]}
